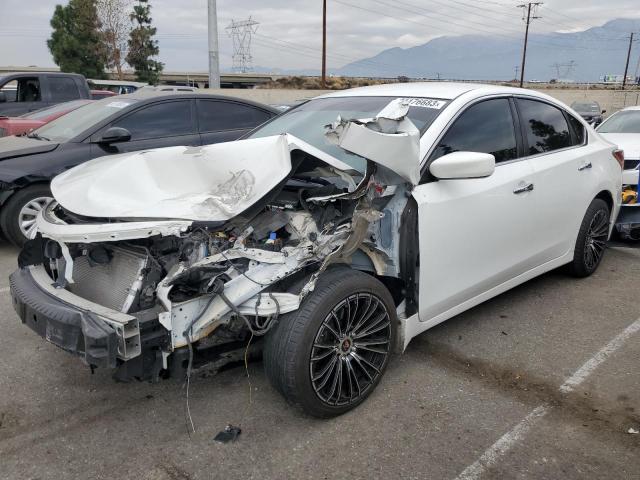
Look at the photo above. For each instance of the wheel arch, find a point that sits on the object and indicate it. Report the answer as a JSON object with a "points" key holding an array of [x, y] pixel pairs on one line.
{"points": [[21, 185], [607, 197]]}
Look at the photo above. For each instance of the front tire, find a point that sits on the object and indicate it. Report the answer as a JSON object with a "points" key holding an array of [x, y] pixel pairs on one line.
{"points": [[18, 215], [329, 355], [592, 239]]}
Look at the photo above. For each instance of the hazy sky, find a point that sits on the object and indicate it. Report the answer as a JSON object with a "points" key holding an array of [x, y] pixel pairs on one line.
{"points": [[289, 34]]}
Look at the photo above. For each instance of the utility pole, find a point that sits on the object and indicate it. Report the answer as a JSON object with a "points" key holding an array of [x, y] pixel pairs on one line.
{"points": [[214, 58], [626, 65], [527, 6], [517, 67], [324, 44]]}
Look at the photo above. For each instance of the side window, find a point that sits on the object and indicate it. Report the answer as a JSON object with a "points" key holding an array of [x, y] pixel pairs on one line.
{"points": [[165, 119], [10, 90], [545, 126], [216, 115], [578, 129], [63, 89], [485, 127], [28, 90]]}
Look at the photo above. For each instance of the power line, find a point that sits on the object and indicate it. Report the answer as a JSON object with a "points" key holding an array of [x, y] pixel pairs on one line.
{"points": [[449, 23]]}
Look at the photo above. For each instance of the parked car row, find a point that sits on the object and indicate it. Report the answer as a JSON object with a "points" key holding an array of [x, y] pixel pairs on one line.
{"points": [[337, 230]]}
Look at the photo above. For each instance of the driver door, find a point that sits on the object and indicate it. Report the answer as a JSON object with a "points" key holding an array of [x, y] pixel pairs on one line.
{"points": [[476, 234]]}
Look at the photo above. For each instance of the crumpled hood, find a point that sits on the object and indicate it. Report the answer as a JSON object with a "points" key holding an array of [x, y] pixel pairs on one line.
{"points": [[629, 142], [210, 183]]}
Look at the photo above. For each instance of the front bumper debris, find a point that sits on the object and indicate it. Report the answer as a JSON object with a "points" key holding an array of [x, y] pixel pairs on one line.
{"points": [[100, 336]]}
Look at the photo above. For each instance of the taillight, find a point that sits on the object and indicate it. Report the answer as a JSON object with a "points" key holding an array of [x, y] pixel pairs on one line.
{"points": [[619, 156]]}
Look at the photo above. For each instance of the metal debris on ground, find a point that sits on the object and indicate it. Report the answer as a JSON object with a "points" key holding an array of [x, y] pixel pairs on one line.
{"points": [[229, 434]]}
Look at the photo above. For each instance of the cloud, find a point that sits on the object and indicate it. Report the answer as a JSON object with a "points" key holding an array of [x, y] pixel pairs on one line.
{"points": [[289, 34]]}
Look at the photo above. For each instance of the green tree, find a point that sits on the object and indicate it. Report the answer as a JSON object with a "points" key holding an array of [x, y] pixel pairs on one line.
{"points": [[142, 46], [76, 42]]}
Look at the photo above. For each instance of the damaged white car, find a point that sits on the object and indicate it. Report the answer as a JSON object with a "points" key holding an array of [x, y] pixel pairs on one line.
{"points": [[330, 237]]}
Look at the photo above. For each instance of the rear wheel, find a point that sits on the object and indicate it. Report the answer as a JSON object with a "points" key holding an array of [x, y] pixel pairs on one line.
{"points": [[18, 216], [329, 355], [592, 239]]}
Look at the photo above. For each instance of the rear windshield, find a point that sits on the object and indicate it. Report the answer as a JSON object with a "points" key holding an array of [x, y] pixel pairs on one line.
{"points": [[307, 121], [622, 122]]}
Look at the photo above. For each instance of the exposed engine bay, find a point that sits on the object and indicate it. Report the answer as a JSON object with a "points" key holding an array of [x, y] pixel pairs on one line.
{"points": [[188, 285]]}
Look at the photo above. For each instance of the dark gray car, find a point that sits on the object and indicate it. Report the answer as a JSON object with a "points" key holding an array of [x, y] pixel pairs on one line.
{"points": [[589, 110], [24, 92]]}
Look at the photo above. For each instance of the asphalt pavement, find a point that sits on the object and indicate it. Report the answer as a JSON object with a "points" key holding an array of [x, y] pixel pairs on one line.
{"points": [[539, 383]]}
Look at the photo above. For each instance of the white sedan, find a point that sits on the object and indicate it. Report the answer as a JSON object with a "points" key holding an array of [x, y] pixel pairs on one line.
{"points": [[338, 231], [623, 129]]}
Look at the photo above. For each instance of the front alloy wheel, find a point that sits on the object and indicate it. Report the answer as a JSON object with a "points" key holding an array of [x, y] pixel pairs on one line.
{"points": [[18, 215], [350, 349], [28, 214], [328, 356]]}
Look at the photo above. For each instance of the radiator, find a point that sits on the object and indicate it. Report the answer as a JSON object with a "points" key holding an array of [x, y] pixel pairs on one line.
{"points": [[113, 285]]}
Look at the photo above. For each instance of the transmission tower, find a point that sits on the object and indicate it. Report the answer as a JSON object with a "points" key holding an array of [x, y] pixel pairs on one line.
{"points": [[240, 33], [568, 69]]}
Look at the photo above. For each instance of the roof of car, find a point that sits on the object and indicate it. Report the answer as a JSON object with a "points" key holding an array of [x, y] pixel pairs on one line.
{"points": [[443, 90], [149, 95], [30, 74], [117, 83]]}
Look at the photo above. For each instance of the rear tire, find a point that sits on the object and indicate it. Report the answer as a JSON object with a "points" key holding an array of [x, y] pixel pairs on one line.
{"points": [[17, 211], [592, 240], [329, 355]]}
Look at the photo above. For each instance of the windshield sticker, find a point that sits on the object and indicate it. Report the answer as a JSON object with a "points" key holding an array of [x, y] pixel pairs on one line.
{"points": [[118, 104], [424, 102]]}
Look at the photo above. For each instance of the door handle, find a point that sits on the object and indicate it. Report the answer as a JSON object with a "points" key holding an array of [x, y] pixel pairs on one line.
{"points": [[525, 188], [584, 166]]}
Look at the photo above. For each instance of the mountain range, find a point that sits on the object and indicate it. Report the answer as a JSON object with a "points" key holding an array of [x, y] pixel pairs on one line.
{"points": [[582, 56]]}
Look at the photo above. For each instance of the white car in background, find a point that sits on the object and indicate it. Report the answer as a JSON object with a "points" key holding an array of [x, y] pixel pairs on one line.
{"points": [[338, 231], [623, 129]]}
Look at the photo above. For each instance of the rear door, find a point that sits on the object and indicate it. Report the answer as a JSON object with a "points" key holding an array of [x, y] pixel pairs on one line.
{"points": [[164, 124], [564, 173], [224, 121], [475, 234]]}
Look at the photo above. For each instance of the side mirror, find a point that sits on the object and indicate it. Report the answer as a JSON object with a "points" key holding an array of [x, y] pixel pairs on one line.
{"points": [[463, 165], [3, 97], [115, 135], [604, 111]]}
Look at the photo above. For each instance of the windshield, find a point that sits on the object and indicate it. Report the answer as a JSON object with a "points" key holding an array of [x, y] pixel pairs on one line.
{"points": [[55, 110], [586, 107], [308, 120], [622, 122], [72, 124]]}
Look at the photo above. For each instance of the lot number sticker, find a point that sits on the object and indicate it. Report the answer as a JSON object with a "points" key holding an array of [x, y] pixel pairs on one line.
{"points": [[424, 102]]}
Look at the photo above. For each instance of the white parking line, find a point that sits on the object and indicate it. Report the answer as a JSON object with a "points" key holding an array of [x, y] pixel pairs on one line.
{"points": [[585, 370], [509, 439], [503, 445]]}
